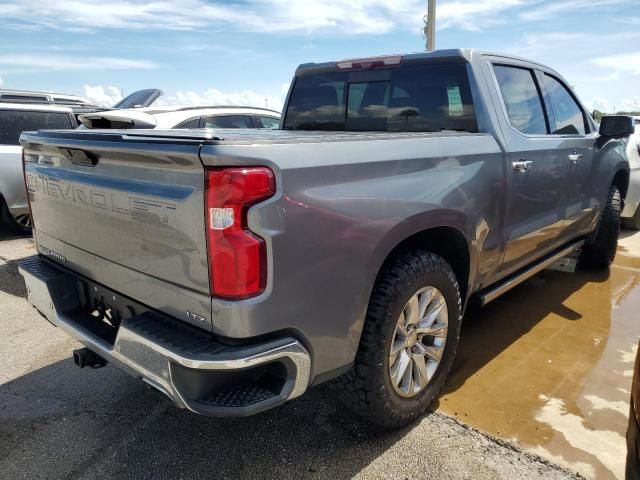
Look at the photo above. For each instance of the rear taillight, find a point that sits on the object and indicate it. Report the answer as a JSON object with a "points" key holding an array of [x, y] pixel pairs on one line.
{"points": [[237, 257]]}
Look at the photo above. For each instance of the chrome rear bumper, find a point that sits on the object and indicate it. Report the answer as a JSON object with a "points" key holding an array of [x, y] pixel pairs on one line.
{"points": [[196, 372]]}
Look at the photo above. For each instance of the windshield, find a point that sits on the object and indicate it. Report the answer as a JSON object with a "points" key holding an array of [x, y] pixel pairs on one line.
{"points": [[420, 98]]}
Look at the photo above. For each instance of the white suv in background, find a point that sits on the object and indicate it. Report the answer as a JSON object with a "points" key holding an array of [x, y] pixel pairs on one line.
{"points": [[183, 117], [631, 213], [14, 119]]}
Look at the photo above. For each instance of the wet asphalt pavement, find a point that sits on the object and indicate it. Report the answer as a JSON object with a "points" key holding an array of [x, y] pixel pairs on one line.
{"points": [[57, 421]]}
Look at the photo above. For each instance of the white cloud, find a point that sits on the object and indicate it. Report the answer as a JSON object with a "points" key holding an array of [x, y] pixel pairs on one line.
{"points": [[631, 105], [35, 63], [109, 95], [328, 16], [103, 96], [302, 16], [213, 96], [348, 16], [543, 10], [599, 103], [1, 81], [626, 63], [472, 15]]}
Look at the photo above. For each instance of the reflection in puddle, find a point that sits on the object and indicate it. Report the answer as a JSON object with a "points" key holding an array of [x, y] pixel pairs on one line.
{"points": [[549, 365]]}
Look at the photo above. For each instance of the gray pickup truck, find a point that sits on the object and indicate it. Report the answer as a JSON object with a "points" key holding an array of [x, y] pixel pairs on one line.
{"points": [[234, 269]]}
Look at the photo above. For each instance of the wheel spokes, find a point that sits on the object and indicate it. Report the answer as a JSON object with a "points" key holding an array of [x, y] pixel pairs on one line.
{"points": [[418, 341], [412, 311], [400, 368], [434, 352], [422, 377]]}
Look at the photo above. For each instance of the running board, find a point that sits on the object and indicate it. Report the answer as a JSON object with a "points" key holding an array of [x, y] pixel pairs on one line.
{"points": [[495, 292]]}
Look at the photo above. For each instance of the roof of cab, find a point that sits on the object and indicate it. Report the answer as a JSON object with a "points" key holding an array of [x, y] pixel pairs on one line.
{"points": [[454, 54]]}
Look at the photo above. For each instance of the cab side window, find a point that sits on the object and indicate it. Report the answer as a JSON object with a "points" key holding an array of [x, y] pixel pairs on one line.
{"points": [[569, 117], [229, 121], [190, 123], [522, 99], [269, 122]]}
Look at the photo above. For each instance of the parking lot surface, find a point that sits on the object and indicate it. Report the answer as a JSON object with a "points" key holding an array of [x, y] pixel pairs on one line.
{"points": [[573, 331], [549, 365]]}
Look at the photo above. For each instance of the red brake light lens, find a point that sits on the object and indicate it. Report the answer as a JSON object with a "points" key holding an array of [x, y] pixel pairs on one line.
{"points": [[369, 63], [237, 257]]}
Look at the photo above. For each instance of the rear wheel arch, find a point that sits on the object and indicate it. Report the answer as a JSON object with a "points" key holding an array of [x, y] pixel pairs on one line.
{"points": [[447, 242]]}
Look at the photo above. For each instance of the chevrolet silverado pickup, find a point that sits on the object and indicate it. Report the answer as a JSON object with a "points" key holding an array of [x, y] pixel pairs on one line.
{"points": [[234, 269]]}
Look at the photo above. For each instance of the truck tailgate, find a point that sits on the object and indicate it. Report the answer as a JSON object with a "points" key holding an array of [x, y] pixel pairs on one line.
{"points": [[126, 211]]}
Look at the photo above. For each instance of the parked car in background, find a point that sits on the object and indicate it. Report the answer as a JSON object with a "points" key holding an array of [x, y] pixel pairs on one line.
{"points": [[183, 117], [232, 270], [631, 212], [14, 119], [77, 104], [633, 430]]}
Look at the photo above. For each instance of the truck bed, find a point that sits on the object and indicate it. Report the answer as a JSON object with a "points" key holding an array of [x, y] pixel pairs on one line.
{"points": [[233, 136]]}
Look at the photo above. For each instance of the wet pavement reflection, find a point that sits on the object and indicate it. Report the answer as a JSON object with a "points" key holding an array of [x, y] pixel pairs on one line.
{"points": [[549, 365]]}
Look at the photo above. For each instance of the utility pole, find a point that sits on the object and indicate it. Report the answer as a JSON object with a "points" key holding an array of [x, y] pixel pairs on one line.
{"points": [[430, 25]]}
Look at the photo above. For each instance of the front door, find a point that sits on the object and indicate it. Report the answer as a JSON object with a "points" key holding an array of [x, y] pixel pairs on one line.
{"points": [[570, 124]]}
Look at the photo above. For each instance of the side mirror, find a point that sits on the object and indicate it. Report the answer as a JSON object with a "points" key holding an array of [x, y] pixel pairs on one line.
{"points": [[616, 126]]}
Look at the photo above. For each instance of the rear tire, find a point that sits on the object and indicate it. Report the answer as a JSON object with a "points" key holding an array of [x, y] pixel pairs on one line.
{"points": [[420, 286], [602, 250], [17, 226], [632, 223]]}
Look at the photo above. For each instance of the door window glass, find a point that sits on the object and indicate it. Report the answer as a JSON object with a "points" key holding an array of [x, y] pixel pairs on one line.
{"points": [[522, 99], [14, 122], [191, 123], [229, 121], [269, 122], [569, 118]]}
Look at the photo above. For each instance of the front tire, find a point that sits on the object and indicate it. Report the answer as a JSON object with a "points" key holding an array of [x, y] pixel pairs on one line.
{"points": [[408, 343], [601, 251]]}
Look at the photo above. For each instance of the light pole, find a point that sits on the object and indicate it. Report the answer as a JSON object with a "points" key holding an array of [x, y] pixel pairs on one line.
{"points": [[430, 25]]}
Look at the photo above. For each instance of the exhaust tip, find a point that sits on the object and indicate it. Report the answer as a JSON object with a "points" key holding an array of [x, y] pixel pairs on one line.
{"points": [[84, 357]]}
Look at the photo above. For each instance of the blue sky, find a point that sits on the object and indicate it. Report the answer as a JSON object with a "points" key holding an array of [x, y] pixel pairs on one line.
{"points": [[244, 51]]}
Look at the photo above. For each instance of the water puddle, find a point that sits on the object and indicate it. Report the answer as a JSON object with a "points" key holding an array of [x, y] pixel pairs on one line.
{"points": [[549, 365]]}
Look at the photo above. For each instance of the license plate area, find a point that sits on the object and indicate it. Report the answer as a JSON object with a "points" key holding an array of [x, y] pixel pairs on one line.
{"points": [[102, 310]]}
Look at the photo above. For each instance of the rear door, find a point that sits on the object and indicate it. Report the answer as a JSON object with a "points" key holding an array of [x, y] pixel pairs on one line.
{"points": [[538, 172]]}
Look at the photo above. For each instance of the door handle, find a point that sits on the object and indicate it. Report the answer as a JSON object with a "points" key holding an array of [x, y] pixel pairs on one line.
{"points": [[575, 158], [522, 165]]}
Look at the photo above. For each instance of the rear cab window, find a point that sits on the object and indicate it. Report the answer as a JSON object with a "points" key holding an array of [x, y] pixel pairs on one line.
{"points": [[14, 122], [411, 98]]}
